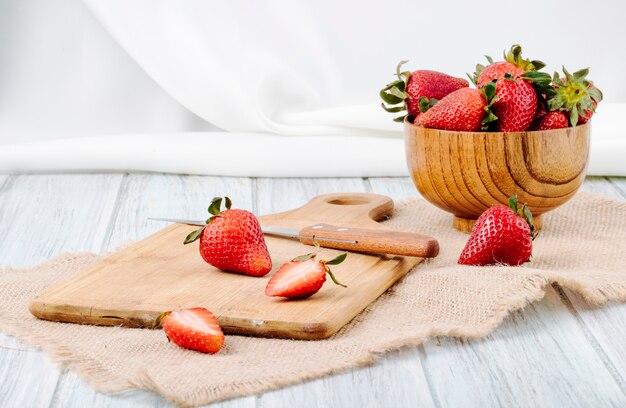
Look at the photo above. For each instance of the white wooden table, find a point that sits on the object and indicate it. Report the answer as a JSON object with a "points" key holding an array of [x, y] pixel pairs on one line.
{"points": [[555, 353]]}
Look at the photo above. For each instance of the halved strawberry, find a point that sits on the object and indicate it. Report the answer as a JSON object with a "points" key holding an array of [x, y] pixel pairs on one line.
{"points": [[302, 277], [195, 329]]}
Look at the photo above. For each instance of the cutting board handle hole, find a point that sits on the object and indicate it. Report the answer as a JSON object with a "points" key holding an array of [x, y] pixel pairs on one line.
{"points": [[347, 201]]}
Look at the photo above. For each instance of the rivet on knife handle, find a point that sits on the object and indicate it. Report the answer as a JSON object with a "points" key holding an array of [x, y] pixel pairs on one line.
{"points": [[371, 240]]}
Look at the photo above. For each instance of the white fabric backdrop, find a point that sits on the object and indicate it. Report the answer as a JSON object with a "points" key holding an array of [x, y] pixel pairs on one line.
{"points": [[267, 88]]}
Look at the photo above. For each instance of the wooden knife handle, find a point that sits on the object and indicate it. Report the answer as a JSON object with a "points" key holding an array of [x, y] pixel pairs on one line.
{"points": [[371, 240]]}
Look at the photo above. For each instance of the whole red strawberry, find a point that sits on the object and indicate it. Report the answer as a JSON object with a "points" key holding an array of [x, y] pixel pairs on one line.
{"points": [[576, 95], [553, 120], [501, 235], [465, 110], [416, 91], [232, 240], [302, 277], [516, 97], [195, 329], [516, 104]]}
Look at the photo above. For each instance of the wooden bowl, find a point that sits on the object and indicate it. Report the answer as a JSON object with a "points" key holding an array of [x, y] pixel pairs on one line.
{"points": [[465, 173]]}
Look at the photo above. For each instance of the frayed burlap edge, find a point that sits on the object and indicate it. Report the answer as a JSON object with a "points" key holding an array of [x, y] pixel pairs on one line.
{"points": [[101, 379]]}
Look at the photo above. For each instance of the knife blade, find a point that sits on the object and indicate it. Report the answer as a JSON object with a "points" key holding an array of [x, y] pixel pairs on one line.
{"points": [[348, 238]]}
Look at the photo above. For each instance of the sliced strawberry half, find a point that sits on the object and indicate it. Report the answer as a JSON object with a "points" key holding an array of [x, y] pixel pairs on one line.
{"points": [[302, 276], [195, 329]]}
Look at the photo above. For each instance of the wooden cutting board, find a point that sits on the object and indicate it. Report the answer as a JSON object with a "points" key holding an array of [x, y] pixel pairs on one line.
{"points": [[133, 286]]}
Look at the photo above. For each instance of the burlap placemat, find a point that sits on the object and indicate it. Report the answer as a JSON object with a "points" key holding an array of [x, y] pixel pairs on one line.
{"points": [[582, 247]]}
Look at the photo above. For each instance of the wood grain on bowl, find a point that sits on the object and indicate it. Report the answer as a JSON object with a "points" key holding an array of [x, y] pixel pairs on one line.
{"points": [[465, 173]]}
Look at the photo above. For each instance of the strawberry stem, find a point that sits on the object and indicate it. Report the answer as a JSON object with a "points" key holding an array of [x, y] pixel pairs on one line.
{"points": [[335, 281], [215, 210], [393, 93], [310, 255], [159, 319]]}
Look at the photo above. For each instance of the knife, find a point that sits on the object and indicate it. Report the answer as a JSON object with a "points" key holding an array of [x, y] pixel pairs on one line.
{"points": [[348, 238]]}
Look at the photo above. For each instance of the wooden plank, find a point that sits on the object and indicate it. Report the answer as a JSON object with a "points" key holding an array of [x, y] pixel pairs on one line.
{"points": [[3, 179], [395, 380], [154, 195], [45, 215], [28, 377], [538, 357], [400, 187], [601, 185], [151, 195], [528, 361], [606, 326], [34, 209]]}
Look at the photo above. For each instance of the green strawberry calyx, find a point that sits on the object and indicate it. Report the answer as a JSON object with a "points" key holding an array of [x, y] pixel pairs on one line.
{"points": [[514, 56], [215, 211], [426, 103], [524, 212], [574, 94], [393, 93], [335, 261], [489, 93], [539, 80], [157, 322]]}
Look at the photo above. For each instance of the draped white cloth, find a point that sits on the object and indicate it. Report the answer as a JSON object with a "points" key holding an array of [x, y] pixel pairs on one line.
{"points": [[268, 88]]}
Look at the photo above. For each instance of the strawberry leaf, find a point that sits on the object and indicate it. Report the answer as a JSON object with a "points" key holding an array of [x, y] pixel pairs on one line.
{"points": [[215, 206], [228, 202], [424, 103], [573, 116], [193, 236], [211, 218], [304, 257], [394, 109], [513, 203], [338, 259], [399, 93], [538, 64], [581, 74], [311, 255], [489, 91], [388, 98]]}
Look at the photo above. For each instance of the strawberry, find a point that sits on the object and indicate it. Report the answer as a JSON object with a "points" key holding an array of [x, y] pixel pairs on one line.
{"points": [[516, 97], [466, 109], [417, 91], [496, 71], [516, 104], [542, 111], [195, 329], [232, 240], [501, 235], [302, 277], [576, 95], [552, 120]]}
